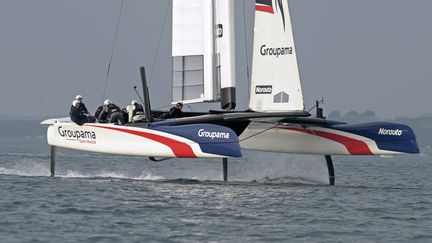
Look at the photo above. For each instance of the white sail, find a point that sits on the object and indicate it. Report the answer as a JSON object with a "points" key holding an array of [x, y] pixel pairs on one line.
{"points": [[193, 51], [275, 81]]}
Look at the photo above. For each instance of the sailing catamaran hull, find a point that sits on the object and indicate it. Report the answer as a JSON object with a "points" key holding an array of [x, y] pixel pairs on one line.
{"points": [[187, 141], [364, 139]]}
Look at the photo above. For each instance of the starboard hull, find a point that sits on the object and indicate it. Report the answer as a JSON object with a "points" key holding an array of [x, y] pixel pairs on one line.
{"points": [[363, 139]]}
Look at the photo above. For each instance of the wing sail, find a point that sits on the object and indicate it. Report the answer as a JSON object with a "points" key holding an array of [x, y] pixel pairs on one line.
{"points": [[193, 47]]}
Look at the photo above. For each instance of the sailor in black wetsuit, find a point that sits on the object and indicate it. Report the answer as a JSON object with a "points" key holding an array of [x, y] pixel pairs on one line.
{"points": [[138, 107], [176, 111], [82, 106], [76, 115], [110, 113], [83, 109], [101, 118]]}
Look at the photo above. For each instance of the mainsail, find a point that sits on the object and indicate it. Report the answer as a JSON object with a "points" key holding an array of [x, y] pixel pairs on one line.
{"points": [[275, 82]]}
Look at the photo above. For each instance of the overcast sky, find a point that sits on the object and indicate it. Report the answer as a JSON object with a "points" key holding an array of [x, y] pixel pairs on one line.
{"points": [[358, 55]]}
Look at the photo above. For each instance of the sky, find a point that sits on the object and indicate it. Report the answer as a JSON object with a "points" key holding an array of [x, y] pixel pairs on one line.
{"points": [[357, 55]]}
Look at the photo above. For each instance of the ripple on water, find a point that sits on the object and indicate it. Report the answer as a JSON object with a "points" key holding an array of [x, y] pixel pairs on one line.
{"points": [[269, 198]]}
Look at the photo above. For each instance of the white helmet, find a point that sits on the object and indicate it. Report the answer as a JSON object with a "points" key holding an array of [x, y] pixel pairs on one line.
{"points": [[78, 97], [75, 102], [134, 102], [107, 102]]}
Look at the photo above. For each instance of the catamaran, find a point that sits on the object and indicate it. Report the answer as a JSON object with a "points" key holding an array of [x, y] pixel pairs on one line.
{"points": [[203, 70]]}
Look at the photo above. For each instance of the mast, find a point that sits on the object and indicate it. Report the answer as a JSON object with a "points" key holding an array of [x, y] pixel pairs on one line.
{"points": [[147, 106], [225, 51]]}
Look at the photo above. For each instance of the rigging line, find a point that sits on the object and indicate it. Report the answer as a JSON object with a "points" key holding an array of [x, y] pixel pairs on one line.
{"points": [[246, 46], [159, 42], [319, 102], [112, 50], [160, 107], [258, 133], [167, 106], [265, 130]]}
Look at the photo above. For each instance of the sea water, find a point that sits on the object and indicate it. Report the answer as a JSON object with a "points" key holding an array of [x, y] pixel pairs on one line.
{"points": [[269, 197]]}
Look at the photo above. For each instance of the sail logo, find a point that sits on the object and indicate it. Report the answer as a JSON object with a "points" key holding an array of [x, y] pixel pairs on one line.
{"points": [[206, 134], [264, 6], [263, 89], [276, 51], [75, 135], [267, 7], [281, 97], [390, 132]]}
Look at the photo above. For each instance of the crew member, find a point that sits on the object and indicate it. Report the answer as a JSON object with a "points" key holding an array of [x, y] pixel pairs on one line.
{"points": [[82, 106], [111, 112], [176, 111], [138, 107], [76, 115], [101, 118], [125, 115]]}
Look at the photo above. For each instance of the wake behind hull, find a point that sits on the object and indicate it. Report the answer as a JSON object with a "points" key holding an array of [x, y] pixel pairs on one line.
{"points": [[363, 139]]}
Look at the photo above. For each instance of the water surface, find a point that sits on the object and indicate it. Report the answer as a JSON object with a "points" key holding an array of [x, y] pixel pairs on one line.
{"points": [[270, 197]]}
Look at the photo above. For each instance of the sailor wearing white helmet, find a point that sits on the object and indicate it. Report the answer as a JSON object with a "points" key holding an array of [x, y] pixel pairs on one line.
{"points": [[107, 102], [109, 112], [75, 113], [138, 107], [83, 108]]}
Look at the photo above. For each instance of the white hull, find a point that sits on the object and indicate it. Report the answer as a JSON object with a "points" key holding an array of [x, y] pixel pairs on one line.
{"points": [[310, 140], [124, 140]]}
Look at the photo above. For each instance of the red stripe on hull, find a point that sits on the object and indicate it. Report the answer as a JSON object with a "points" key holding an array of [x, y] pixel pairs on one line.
{"points": [[354, 146], [262, 8], [180, 149]]}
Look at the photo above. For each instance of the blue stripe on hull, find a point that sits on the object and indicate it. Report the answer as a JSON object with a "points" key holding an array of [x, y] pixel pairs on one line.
{"points": [[212, 139], [388, 136]]}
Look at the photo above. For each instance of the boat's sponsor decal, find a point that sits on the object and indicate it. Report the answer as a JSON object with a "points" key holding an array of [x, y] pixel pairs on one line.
{"points": [[267, 7], [280, 5], [276, 51], [77, 135], [281, 97], [180, 149], [354, 146], [390, 132], [263, 89], [264, 6], [206, 134]]}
